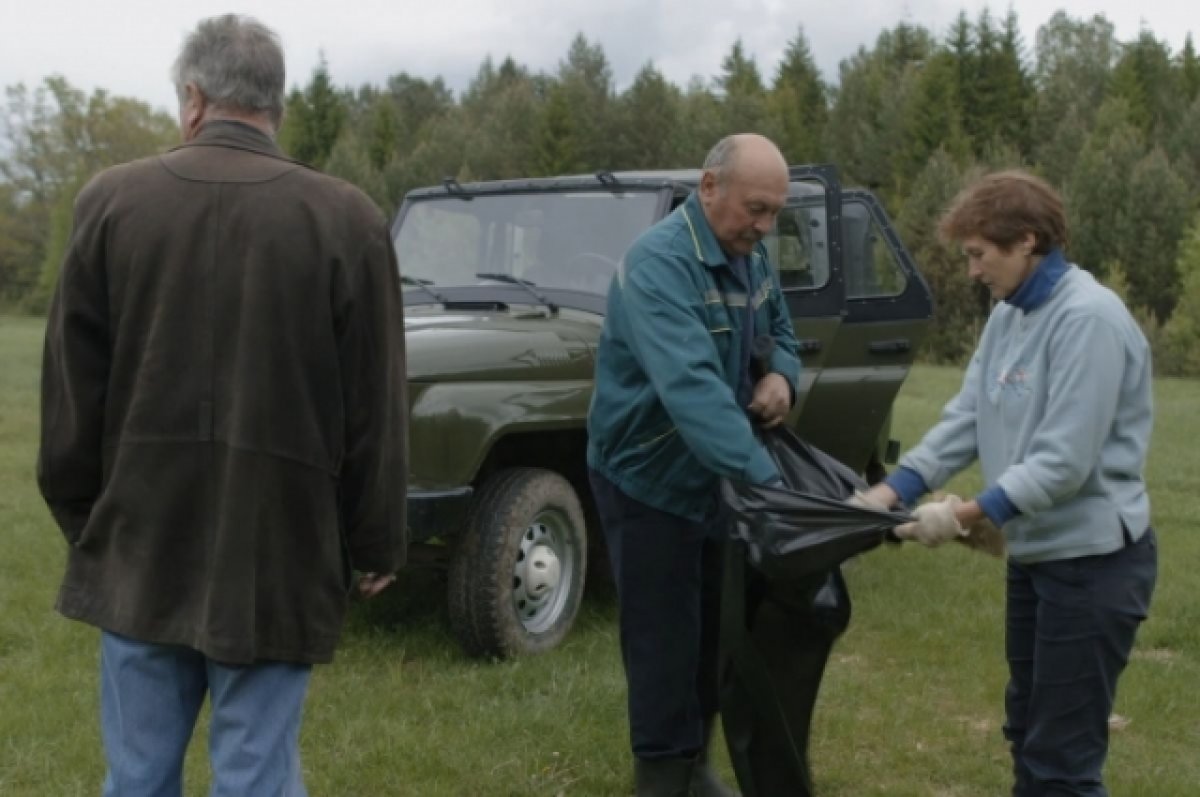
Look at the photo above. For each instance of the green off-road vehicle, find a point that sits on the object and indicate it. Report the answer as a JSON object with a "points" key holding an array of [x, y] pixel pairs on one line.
{"points": [[504, 294]]}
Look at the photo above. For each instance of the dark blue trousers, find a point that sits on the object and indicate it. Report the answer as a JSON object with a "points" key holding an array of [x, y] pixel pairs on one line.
{"points": [[668, 576], [1070, 629]]}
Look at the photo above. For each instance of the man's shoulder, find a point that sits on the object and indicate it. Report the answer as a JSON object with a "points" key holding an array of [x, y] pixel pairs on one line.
{"points": [[329, 193], [304, 182], [110, 178], [105, 189], [668, 239], [347, 197]]}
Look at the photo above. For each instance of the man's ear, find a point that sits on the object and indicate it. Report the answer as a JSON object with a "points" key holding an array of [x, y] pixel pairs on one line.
{"points": [[191, 116], [709, 184]]}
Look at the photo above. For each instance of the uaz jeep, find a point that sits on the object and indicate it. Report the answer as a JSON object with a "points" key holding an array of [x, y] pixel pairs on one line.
{"points": [[504, 294]]}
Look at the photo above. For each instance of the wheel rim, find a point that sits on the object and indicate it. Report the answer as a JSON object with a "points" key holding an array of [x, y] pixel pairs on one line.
{"points": [[544, 573]]}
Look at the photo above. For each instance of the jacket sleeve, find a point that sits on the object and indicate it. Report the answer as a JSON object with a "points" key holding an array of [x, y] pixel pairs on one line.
{"points": [[952, 444], [75, 370], [669, 335], [1085, 369], [370, 337]]}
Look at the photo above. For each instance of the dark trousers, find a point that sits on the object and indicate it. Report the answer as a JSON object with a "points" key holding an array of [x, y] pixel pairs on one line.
{"points": [[1070, 629], [668, 576]]}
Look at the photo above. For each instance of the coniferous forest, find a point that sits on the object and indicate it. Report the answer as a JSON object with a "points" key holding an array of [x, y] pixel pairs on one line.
{"points": [[1115, 125]]}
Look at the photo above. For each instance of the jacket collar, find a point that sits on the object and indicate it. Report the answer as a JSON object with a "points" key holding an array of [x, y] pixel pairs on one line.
{"points": [[235, 135], [1038, 286], [708, 251]]}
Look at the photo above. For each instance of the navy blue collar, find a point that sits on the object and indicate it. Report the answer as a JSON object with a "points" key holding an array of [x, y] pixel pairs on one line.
{"points": [[1038, 286]]}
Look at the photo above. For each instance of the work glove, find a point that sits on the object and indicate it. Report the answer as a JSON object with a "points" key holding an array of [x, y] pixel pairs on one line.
{"points": [[934, 523], [983, 536], [864, 500]]}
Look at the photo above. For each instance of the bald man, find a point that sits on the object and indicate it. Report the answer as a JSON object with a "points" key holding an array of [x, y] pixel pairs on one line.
{"points": [[675, 405]]}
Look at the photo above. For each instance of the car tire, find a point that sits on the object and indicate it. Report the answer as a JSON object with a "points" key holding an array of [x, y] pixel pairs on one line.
{"points": [[517, 574]]}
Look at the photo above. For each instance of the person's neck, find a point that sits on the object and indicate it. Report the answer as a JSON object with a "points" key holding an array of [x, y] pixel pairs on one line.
{"points": [[1044, 275], [259, 121]]}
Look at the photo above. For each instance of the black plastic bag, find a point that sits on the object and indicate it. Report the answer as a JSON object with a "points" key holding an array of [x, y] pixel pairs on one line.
{"points": [[805, 527], [784, 602]]}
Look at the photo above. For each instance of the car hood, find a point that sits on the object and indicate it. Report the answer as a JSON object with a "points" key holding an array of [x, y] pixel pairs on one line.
{"points": [[496, 345]]}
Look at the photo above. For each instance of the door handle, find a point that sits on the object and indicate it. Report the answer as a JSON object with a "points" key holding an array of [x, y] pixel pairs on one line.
{"points": [[894, 346], [808, 345]]}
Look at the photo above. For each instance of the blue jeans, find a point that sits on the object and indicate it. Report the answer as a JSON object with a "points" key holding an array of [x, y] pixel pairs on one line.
{"points": [[1071, 626], [150, 696]]}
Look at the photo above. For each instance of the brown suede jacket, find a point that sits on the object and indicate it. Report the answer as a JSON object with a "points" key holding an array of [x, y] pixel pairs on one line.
{"points": [[223, 401]]}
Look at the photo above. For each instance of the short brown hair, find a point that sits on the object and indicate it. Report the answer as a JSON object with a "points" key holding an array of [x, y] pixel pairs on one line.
{"points": [[1003, 207]]}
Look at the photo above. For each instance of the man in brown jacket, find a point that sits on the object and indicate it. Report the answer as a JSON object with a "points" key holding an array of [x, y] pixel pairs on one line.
{"points": [[223, 426]]}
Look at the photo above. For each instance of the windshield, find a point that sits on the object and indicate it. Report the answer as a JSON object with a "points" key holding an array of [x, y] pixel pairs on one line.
{"points": [[552, 239]]}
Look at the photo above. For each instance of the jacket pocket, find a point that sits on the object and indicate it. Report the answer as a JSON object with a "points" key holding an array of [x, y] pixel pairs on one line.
{"points": [[657, 437], [720, 326]]}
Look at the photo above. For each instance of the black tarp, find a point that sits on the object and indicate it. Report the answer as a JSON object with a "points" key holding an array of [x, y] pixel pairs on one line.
{"points": [[784, 603]]}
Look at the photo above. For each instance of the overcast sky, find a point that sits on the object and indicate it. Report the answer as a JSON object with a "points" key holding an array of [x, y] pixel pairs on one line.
{"points": [[126, 46]]}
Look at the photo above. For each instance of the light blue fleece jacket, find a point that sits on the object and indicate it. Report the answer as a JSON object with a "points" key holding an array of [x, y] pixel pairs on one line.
{"points": [[1056, 404]]}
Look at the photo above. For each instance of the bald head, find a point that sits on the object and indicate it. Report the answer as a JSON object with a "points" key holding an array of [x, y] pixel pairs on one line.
{"points": [[742, 189], [745, 153]]}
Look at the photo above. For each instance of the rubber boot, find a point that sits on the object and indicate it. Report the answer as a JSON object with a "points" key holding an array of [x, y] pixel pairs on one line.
{"points": [[663, 777], [705, 783]]}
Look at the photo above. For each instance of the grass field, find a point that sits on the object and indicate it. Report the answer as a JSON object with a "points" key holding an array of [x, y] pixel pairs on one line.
{"points": [[911, 703]]}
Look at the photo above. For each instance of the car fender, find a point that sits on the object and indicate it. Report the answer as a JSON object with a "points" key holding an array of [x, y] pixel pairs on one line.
{"points": [[455, 424]]}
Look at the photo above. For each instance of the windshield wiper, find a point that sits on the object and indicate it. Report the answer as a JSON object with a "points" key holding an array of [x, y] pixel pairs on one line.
{"points": [[423, 285], [530, 288]]}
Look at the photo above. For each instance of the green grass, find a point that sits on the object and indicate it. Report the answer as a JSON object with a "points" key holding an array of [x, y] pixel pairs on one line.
{"points": [[911, 703]]}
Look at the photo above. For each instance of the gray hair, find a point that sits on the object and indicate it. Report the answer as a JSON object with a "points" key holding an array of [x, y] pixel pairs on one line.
{"points": [[236, 62], [721, 157]]}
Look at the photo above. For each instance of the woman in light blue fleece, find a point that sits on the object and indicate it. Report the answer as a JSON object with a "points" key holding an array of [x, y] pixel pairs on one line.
{"points": [[1056, 405]]}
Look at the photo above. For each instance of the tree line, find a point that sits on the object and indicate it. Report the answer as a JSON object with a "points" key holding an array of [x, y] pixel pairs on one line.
{"points": [[1115, 125]]}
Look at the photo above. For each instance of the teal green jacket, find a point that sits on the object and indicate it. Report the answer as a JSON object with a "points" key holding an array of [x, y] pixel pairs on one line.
{"points": [[664, 422]]}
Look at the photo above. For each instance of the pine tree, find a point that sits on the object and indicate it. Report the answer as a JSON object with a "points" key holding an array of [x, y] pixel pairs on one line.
{"points": [[1189, 70], [1074, 60], [743, 94], [978, 91], [1098, 186], [1156, 213], [798, 102], [996, 92], [959, 308], [440, 152], [932, 120], [500, 117], [1144, 78], [1015, 89], [417, 102], [585, 78], [559, 142], [703, 123], [650, 126], [869, 106], [352, 159], [383, 132], [1183, 146], [313, 118], [1179, 354]]}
